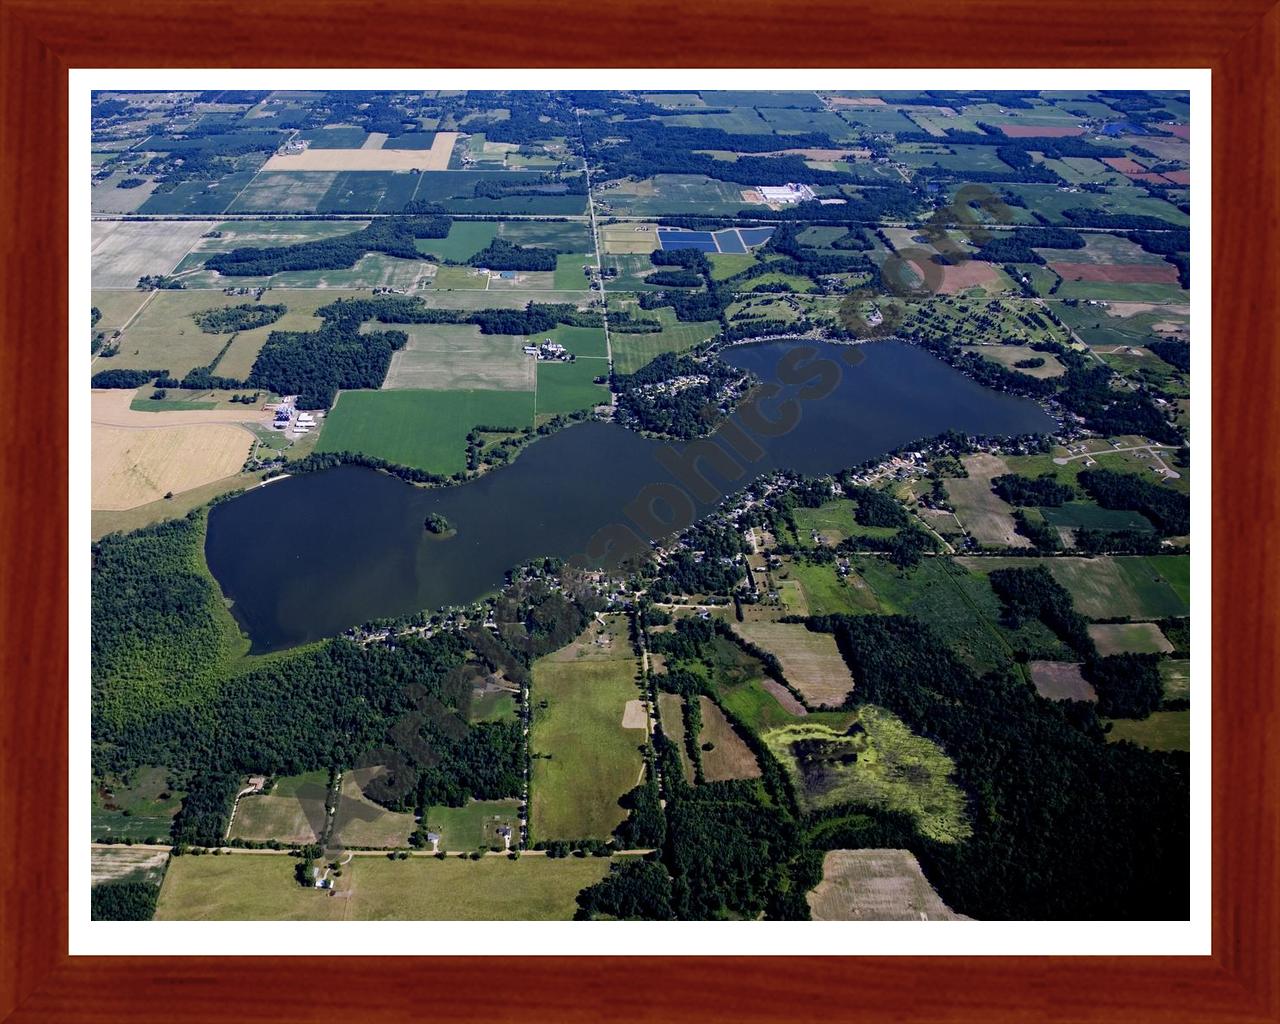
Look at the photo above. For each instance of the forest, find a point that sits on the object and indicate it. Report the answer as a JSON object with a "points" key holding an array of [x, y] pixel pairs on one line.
{"points": [[1065, 825]]}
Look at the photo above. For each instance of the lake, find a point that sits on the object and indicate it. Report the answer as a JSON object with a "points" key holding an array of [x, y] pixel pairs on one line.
{"points": [[309, 556]]}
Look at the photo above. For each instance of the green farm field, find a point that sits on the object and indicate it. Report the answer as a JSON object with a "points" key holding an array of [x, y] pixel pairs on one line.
{"points": [[135, 810], [633, 351], [457, 357], [1161, 730], [568, 387], [826, 593], [593, 760], [1137, 586], [261, 887], [425, 429], [466, 238]]}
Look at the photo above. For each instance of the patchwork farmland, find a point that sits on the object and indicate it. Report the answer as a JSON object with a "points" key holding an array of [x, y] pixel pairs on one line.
{"points": [[509, 674]]}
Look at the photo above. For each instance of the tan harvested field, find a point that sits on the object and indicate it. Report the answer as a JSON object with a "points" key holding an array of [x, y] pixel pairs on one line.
{"points": [[1124, 637], [107, 198], [628, 237], [730, 757], [434, 159], [876, 885], [1117, 273], [123, 251], [361, 822], [165, 337], [1124, 310], [374, 140], [133, 466], [125, 864], [784, 697], [446, 357], [987, 518], [635, 715], [110, 408], [1007, 355], [960, 277], [1061, 680], [811, 662], [855, 101]]}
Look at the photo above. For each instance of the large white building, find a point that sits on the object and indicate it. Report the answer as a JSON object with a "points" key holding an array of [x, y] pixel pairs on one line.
{"points": [[788, 193]]}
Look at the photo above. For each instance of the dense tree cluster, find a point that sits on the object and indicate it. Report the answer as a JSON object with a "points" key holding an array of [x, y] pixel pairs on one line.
{"points": [[205, 814], [1128, 685], [633, 890], [501, 254], [876, 508], [1042, 491], [1020, 244], [314, 364], [1176, 353], [157, 616], [245, 317], [124, 379], [708, 561], [123, 901]]}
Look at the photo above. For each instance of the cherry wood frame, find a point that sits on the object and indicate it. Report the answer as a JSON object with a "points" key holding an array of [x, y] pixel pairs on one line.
{"points": [[40, 39]]}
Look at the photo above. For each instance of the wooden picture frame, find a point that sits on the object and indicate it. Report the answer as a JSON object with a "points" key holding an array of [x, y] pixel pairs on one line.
{"points": [[42, 39]]}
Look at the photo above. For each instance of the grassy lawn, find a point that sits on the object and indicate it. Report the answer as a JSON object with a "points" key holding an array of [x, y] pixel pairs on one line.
{"points": [[426, 429], [1129, 637], [593, 761], [725, 265], [474, 825], [1161, 730], [568, 387], [292, 812], [361, 822]]}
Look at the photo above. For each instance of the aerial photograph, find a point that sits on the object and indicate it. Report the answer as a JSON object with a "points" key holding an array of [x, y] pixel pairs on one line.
{"points": [[640, 505]]}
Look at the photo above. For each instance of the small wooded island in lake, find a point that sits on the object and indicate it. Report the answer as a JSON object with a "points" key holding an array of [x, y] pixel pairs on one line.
{"points": [[438, 524]]}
